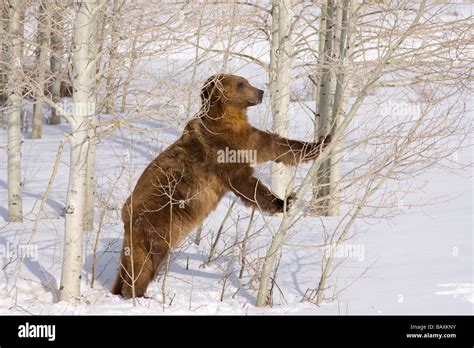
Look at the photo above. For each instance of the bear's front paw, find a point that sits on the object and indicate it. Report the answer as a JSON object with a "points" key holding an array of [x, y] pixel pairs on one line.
{"points": [[279, 205], [316, 147], [290, 200], [324, 141]]}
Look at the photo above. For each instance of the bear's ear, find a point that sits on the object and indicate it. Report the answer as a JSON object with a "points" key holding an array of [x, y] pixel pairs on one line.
{"points": [[206, 91], [209, 91]]}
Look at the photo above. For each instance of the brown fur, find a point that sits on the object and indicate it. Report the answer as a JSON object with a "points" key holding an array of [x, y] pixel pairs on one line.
{"points": [[186, 182]]}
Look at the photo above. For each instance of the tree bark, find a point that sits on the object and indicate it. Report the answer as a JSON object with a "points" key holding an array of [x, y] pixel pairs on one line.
{"points": [[273, 54], [42, 62], [3, 55], [281, 175], [91, 177], [321, 41], [325, 205], [92, 131], [84, 106], [55, 61], [332, 99], [340, 99], [15, 211]]}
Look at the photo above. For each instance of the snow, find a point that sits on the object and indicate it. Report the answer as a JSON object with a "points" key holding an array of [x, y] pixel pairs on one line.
{"points": [[417, 262], [465, 291]]}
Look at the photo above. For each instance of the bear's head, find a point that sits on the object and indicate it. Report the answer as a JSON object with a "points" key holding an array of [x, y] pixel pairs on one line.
{"points": [[230, 90]]}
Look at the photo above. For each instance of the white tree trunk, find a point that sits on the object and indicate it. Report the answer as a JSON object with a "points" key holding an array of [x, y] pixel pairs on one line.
{"points": [[91, 177], [111, 88], [92, 133], [43, 41], [281, 174], [55, 61], [15, 211], [332, 99], [3, 55], [324, 204], [273, 54], [340, 99], [321, 40], [84, 106]]}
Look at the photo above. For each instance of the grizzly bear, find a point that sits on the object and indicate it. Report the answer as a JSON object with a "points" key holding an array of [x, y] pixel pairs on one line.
{"points": [[186, 182]]}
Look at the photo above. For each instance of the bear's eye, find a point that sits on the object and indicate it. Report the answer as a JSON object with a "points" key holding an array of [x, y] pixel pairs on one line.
{"points": [[240, 85]]}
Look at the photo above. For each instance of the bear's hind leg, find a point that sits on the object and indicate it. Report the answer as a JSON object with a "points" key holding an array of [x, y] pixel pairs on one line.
{"points": [[146, 259]]}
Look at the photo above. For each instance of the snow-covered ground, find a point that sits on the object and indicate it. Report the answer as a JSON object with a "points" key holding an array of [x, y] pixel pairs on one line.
{"points": [[418, 262]]}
